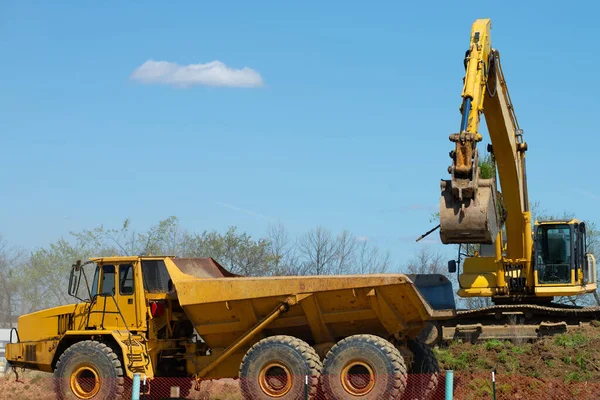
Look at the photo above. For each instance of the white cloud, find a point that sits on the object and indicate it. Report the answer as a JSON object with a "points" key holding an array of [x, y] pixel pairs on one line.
{"points": [[362, 239], [213, 73]]}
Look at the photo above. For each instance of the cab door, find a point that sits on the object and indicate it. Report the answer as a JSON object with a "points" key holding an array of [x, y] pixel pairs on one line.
{"points": [[103, 311], [127, 296]]}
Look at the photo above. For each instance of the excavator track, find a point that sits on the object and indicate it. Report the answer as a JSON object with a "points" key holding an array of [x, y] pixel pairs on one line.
{"points": [[525, 322], [553, 310]]}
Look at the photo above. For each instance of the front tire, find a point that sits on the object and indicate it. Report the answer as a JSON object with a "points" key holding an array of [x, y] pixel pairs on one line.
{"points": [[363, 367], [89, 370], [276, 368]]}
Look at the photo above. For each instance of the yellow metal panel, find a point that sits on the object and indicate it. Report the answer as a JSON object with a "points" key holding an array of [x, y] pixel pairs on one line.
{"points": [[478, 273], [34, 354], [565, 290], [45, 324], [315, 319]]}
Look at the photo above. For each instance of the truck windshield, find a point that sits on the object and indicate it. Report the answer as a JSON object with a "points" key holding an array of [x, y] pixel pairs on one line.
{"points": [[553, 253], [87, 287]]}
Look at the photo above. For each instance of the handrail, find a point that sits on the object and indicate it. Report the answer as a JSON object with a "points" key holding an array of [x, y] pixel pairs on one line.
{"points": [[130, 336]]}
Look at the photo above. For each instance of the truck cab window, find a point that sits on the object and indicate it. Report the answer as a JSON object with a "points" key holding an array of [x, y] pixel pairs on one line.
{"points": [[108, 280], [94, 290], [155, 275], [126, 279]]}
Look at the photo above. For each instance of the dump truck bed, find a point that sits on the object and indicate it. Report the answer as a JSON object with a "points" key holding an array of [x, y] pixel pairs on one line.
{"points": [[222, 306]]}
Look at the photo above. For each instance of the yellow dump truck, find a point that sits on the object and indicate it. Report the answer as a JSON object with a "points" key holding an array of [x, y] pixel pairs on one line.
{"points": [[349, 337]]}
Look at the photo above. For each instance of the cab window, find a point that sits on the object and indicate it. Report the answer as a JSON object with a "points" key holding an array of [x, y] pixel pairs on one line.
{"points": [[126, 279], [108, 280]]}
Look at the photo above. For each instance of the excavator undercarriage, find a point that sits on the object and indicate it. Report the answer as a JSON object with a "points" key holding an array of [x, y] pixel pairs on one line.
{"points": [[517, 322]]}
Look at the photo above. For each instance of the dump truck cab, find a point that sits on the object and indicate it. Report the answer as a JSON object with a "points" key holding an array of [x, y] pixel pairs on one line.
{"points": [[127, 304]]}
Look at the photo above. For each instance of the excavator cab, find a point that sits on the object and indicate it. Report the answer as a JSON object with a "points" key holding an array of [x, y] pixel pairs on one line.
{"points": [[560, 257]]}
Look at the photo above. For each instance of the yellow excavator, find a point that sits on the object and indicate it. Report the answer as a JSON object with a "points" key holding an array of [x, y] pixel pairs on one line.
{"points": [[520, 267]]}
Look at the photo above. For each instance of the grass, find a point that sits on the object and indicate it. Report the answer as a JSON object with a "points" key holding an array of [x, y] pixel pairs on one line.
{"points": [[571, 340], [576, 376], [449, 361], [480, 388], [494, 344]]}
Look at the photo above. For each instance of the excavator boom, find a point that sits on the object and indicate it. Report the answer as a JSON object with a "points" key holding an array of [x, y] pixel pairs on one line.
{"points": [[474, 211]]}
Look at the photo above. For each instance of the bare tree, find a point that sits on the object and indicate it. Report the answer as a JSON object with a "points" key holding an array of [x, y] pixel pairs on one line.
{"points": [[370, 260], [318, 251], [9, 260], [282, 251], [426, 261], [345, 246]]}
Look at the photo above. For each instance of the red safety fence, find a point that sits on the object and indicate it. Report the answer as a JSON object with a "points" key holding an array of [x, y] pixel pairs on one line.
{"points": [[467, 386]]}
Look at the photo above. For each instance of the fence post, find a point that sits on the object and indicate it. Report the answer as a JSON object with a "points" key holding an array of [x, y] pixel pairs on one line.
{"points": [[135, 389], [305, 387], [494, 383], [449, 384]]}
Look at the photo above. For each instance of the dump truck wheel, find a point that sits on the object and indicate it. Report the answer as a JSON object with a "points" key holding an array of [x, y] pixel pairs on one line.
{"points": [[276, 368], [363, 367], [423, 372], [89, 370]]}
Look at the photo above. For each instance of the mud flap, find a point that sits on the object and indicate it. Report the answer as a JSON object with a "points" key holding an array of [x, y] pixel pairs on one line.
{"points": [[470, 220]]}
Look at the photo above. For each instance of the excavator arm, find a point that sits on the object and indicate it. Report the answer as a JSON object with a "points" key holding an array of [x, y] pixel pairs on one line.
{"points": [[471, 208]]}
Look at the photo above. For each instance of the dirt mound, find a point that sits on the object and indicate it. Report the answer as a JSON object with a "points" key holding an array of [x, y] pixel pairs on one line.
{"points": [[569, 357]]}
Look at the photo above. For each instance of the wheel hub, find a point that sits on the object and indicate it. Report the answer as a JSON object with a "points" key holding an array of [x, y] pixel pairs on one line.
{"points": [[85, 381], [275, 379], [358, 378]]}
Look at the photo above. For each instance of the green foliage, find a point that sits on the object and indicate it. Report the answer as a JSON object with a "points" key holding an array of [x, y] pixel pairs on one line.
{"points": [[448, 361], [238, 252], [570, 340], [487, 167], [494, 344], [480, 388], [511, 363], [576, 376]]}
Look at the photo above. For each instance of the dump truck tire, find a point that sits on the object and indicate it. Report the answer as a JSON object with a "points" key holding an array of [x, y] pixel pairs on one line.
{"points": [[363, 367], [89, 370], [423, 372], [276, 368]]}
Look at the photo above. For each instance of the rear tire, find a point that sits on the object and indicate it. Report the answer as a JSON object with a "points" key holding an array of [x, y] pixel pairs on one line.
{"points": [[363, 367], [276, 367], [89, 370], [424, 371]]}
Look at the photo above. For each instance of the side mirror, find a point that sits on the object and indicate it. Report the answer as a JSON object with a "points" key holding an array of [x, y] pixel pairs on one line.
{"points": [[452, 266], [75, 278]]}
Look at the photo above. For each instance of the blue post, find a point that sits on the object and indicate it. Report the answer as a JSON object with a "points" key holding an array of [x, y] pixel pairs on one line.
{"points": [[449, 384], [135, 390]]}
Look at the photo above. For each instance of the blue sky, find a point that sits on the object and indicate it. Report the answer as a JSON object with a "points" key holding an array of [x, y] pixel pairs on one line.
{"points": [[349, 128]]}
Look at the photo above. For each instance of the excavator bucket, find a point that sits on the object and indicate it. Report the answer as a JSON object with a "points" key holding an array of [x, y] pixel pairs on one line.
{"points": [[470, 220]]}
